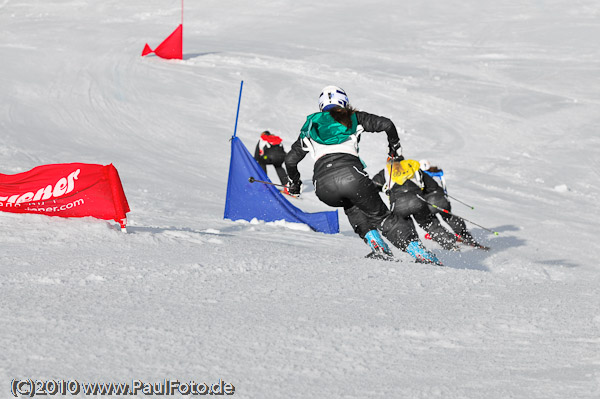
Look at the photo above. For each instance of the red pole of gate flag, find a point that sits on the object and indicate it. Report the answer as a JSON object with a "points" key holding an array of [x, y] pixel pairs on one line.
{"points": [[172, 46]]}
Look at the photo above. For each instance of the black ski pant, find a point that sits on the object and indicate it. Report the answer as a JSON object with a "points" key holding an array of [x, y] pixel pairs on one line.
{"points": [[350, 187], [405, 204], [276, 159], [457, 225]]}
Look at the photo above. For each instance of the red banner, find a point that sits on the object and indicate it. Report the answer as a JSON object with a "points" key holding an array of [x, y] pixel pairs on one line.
{"points": [[66, 190]]}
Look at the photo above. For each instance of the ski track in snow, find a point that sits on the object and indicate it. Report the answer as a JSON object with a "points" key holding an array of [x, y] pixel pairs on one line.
{"points": [[502, 96]]}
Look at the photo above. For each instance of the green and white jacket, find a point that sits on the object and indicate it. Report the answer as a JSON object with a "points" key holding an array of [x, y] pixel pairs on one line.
{"points": [[323, 136]]}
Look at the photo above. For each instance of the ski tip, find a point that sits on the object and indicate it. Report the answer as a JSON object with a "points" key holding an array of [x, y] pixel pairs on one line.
{"points": [[381, 256], [422, 261], [290, 195], [479, 246]]}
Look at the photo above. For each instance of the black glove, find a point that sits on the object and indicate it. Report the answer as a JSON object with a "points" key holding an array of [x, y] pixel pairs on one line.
{"points": [[395, 150], [294, 187]]}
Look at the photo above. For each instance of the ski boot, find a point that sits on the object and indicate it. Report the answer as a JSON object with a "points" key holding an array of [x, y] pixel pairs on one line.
{"points": [[422, 255], [379, 249]]}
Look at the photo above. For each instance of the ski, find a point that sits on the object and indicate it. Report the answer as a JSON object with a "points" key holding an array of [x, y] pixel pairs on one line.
{"points": [[471, 243], [477, 246], [456, 247], [387, 258], [427, 262], [381, 256], [289, 195]]}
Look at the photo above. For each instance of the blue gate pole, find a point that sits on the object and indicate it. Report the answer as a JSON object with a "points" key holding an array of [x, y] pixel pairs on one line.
{"points": [[238, 109]]}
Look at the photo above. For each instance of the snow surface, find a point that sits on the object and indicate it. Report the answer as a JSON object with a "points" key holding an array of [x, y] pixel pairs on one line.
{"points": [[502, 94]]}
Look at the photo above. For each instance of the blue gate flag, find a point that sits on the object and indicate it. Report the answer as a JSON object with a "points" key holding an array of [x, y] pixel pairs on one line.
{"points": [[247, 200]]}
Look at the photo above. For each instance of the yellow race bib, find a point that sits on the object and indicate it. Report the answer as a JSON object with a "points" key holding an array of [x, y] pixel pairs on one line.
{"points": [[402, 171]]}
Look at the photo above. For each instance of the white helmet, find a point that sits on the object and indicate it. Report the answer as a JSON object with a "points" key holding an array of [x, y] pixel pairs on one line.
{"points": [[425, 165], [332, 96]]}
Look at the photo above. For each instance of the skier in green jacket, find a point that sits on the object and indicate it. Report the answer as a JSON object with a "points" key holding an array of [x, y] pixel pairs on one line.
{"points": [[332, 136]]}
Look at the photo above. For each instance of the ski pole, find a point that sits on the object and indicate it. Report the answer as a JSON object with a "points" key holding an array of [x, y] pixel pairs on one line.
{"points": [[389, 180], [457, 200], [253, 180], [452, 214]]}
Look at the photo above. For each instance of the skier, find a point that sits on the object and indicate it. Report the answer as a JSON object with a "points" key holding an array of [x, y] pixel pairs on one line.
{"points": [[269, 151], [408, 187], [332, 136], [439, 197]]}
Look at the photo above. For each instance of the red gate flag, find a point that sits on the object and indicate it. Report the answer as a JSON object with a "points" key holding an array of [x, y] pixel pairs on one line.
{"points": [[66, 190], [170, 48]]}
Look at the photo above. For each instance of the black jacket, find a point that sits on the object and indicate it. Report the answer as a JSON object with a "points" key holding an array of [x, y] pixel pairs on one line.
{"points": [[273, 154], [430, 186], [369, 122]]}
